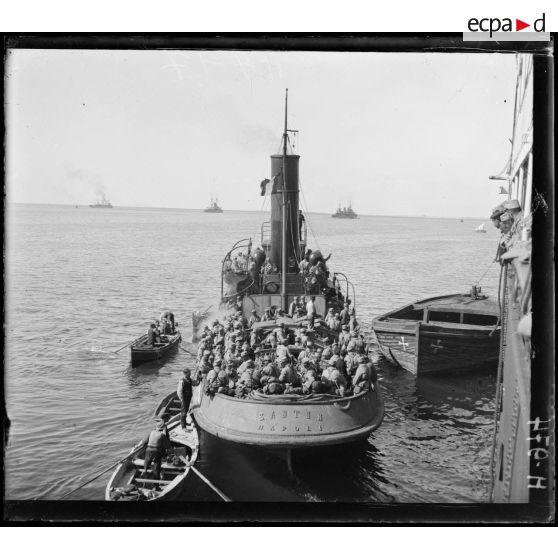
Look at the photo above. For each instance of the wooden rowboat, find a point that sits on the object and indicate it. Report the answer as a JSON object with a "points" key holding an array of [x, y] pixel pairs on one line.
{"points": [[128, 483], [441, 334], [141, 351]]}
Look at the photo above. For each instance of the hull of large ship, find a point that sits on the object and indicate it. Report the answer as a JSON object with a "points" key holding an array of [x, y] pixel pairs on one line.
{"points": [[511, 450], [282, 422]]}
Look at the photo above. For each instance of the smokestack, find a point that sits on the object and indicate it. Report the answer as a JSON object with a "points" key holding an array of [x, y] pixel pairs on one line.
{"points": [[291, 167]]}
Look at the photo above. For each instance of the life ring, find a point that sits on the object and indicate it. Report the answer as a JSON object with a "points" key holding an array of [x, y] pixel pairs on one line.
{"points": [[271, 287]]}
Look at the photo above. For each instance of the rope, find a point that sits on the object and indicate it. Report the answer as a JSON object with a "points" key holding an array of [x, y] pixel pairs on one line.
{"points": [[487, 270], [305, 206], [502, 318]]}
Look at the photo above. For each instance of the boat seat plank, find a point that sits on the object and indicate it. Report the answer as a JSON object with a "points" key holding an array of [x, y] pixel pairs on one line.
{"points": [[165, 466], [152, 481]]}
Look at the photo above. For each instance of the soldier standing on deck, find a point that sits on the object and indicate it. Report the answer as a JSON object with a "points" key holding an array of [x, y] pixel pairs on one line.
{"points": [[311, 312]]}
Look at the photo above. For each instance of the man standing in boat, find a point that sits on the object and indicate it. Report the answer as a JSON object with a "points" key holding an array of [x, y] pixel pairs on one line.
{"points": [[157, 443], [184, 392], [311, 312]]}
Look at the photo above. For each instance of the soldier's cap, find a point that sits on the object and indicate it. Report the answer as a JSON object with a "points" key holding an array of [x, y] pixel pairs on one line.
{"points": [[330, 311], [305, 360], [186, 371], [250, 364], [361, 359], [345, 326], [152, 325], [284, 359], [497, 211], [333, 360], [215, 322], [243, 353], [506, 216], [512, 204]]}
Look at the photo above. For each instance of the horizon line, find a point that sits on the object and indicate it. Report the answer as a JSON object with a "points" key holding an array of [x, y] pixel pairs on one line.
{"points": [[240, 210]]}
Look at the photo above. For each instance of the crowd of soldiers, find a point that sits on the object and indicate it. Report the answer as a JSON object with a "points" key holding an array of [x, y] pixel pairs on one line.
{"points": [[508, 218], [236, 359]]}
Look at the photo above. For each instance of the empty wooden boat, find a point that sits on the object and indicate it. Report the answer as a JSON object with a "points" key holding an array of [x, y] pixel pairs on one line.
{"points": [[141, 351], [441, 334]]}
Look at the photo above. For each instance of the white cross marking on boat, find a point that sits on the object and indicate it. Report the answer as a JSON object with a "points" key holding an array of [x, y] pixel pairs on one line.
{"points": [[437, 346], [402, 343]]}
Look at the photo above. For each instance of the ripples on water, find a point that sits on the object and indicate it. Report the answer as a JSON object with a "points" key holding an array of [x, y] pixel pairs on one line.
{"points": [[83, 282]]}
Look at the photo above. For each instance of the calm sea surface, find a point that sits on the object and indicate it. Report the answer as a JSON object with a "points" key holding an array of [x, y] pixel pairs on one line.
{"points": [[83, 282]]}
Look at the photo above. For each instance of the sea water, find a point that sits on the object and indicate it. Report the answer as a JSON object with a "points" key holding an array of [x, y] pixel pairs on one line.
{"points": [[83, 282]]}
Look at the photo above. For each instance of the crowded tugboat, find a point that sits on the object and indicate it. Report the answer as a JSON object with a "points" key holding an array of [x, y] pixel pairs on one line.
{"points": [[286, 364]]}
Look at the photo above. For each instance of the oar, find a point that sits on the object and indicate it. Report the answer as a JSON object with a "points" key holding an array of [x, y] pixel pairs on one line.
{"points": [[187, 351], [128, 344], [102, 472], [207, 481]]}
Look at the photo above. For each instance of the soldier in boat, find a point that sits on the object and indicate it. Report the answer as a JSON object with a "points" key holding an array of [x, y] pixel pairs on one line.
{"points": [[267, 315], [311, 312], [306, 351], [268, 371], [293, 306], [330, 321], [304, 265], [254, 318], [289, 377], [152, 335], [344, 336], [245, 381], [351, 361], [345, 314], [328, 350], [365, 376], [283, 351], [157, 443], [298, 343]]}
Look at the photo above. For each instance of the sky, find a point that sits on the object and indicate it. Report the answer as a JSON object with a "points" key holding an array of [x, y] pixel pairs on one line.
{"points": [[413, 134]]}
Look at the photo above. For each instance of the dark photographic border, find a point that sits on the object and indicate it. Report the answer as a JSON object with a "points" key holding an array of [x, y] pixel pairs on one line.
{"points": [[541, 510]]}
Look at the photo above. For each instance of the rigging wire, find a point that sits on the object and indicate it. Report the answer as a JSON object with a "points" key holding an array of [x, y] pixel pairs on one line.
{"points": [[304, 204]]}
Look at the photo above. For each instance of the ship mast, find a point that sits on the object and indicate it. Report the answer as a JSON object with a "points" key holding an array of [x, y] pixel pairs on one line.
{"points": [[284, 304]]}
